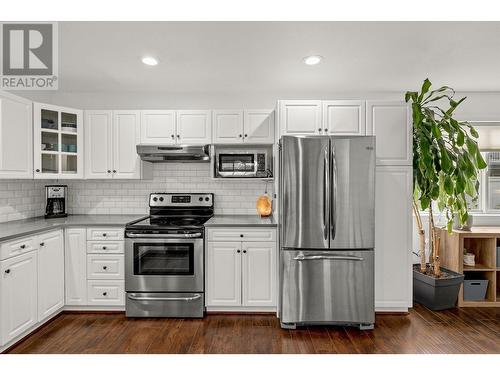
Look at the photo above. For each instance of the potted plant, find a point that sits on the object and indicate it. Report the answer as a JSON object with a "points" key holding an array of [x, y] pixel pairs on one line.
{"points": [[446, 164]]}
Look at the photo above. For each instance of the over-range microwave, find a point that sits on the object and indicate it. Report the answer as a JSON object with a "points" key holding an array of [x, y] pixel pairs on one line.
{"points": [[230, 162]]}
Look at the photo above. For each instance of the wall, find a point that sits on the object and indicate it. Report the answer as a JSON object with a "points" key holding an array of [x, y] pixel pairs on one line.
{"points": [[131, 197], [21, 199]]}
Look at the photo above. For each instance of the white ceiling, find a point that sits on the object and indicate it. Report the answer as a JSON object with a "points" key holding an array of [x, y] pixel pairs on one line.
{"points": [[201, 57]]}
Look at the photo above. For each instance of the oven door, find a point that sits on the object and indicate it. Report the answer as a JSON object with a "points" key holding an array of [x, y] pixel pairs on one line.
{"points": [[163, 265]]}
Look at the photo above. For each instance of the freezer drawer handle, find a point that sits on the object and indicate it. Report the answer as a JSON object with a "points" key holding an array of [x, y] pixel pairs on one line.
{"points": [[187, 299], [327, 257]]}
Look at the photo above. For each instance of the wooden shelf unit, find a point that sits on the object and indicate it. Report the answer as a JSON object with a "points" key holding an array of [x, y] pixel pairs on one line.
{"points": [[482, 241]]}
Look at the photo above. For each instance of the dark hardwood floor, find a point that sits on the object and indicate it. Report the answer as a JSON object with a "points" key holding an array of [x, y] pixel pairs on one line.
{"points": [[466, 330]]}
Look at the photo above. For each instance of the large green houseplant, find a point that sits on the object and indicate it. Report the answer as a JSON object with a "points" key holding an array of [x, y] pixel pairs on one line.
{"points": [[446, 164]]}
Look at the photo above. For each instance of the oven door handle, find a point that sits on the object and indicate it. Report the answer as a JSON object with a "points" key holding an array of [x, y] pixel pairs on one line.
{"points": [[186, 299], [166, 236]]}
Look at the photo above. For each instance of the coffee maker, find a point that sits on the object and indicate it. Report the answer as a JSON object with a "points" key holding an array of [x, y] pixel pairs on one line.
{"points": [[55, 201]]}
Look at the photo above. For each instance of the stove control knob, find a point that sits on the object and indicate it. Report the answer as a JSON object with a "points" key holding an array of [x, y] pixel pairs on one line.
{"points": [[161, 199], [207, 199], [200, 199], [155, 199]]}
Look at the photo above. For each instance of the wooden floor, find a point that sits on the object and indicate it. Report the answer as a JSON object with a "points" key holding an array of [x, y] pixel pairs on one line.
{"points": [[466, 330]]}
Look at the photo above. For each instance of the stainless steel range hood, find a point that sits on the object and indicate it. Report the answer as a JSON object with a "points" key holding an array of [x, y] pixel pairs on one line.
{"points": [[174, 153]]}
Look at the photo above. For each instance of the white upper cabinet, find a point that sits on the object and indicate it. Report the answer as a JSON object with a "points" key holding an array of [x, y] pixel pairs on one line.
{"points": [[258, 126], [18, 295], [58, 142], [393, 238], [111, 138], [300, 117], [98, 144], [194, 127], [16, 141], [344, 117], [126, 136], [228, 126], [390, 122], [158, 127], [50, 273]]}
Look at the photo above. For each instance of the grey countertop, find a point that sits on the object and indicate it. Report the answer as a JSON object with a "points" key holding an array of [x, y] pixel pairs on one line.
{"points": [[25, 227], [12, 229], [240, 221]]}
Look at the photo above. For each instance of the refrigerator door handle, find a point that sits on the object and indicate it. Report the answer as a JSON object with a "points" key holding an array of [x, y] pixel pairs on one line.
{"points": [[328, 257], [325, 194], [333, 209]]}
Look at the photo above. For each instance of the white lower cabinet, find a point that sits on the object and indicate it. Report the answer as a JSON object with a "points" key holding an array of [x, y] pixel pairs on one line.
{"points": [[393, 275], [50, 273], [224, 274], [241, 274], [106, 292], [76, 267], [258, 273], [18, 295]]}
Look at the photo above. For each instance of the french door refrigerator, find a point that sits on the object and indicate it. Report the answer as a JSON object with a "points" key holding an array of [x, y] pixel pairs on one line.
{"points": [[327, 230]]}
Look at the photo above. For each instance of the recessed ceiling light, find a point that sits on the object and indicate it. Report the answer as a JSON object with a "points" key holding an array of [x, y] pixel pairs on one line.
{"points": [[149, 61], [312, 60]]}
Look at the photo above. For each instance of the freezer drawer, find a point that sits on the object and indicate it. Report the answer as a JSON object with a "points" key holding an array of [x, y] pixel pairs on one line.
{"points": [[165, 305], [327, 287]]}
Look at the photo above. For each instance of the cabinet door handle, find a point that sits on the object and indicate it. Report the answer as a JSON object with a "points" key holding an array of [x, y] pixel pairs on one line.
{"points": [[42, 243], [38, 170], [104, 247], [23, 246], [240, 135], [104, 294], [326, 130], [7, 270], [104, 234], [238, 251], [173, 136], [114, 170], [319, 130], [244, 251], [109, 170], [178, 136], [241, 236], [246, 135]]}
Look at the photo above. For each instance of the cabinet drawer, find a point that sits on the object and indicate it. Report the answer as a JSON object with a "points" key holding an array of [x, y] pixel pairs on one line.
{"points": [[101, 266], [17, 247], [106, 292], [105, 247], [105, 234], [242, 234]]}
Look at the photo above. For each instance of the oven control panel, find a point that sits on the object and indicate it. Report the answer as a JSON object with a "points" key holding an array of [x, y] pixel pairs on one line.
{"points": [[181, 200]]}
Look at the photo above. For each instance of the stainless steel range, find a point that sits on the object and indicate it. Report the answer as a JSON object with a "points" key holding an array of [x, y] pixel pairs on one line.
{"points": [[164, 259]]}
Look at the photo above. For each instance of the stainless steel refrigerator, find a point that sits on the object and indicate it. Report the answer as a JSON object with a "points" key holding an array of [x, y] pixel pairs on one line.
{"points": [[327, 230]]}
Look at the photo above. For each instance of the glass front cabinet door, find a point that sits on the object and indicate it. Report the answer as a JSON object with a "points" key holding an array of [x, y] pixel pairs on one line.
{"points": [[58, 141]]}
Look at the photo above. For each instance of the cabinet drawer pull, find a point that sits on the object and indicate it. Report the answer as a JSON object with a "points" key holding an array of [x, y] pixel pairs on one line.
{"points": [[104, 268], [42, 243], [241, 236], [104, 248], [7, 270], [23, 246], [104, 294], [104, 234], [38, 170]]}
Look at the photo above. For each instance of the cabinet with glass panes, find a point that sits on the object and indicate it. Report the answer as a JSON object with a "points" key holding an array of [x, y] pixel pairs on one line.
{"points": [[58, 141]]}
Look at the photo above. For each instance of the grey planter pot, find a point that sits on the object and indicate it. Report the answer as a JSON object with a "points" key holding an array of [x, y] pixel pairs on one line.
{"points": [[436, 294]]}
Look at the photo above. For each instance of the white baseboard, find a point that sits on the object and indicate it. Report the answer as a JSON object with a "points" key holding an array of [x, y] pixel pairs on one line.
{"points": [[241, 309]]}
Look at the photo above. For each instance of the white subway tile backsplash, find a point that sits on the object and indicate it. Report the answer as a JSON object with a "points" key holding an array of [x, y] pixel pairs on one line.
{"points": [[23, 199]]}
